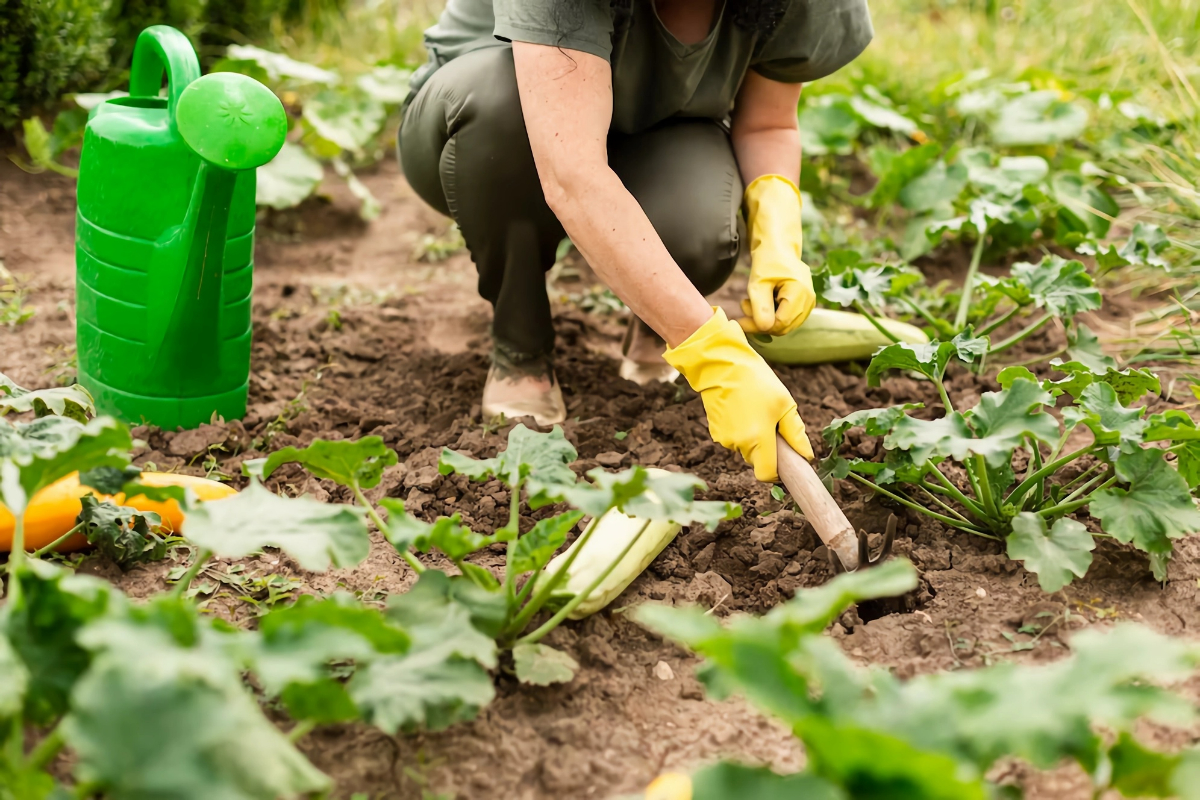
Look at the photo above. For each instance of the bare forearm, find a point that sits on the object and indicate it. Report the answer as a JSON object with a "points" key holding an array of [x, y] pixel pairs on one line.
{"points": [[613, 233], [567, 103], [766, 132], [768, 151]]}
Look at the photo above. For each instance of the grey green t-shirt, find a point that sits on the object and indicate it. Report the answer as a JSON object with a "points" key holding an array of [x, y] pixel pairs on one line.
{"points": [[655, 76]]}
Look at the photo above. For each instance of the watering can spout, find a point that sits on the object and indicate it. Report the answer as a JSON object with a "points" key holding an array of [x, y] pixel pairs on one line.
{"points": [[233, 123]]}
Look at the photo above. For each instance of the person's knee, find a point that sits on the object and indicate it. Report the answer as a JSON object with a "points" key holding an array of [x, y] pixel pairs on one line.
{"points": [[685, 176], [707, 252]]}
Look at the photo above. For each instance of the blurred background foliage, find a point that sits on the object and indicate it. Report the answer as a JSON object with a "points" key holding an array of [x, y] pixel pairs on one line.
{"points": [[1008, 126]]}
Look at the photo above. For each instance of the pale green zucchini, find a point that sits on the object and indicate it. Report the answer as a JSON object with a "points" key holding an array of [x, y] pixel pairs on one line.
{"points": [[829, 335], [612, 534]]}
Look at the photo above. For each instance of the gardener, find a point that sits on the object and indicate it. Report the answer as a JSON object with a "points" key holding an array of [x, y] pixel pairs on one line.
{"points": [[631, 126]]}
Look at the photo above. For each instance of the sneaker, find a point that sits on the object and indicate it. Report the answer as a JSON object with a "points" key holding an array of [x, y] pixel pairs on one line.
{"points": [[644, 372], [516, 395]]}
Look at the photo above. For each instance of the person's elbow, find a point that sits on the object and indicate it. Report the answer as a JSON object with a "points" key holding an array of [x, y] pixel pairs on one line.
{"points": [[566, 185]]}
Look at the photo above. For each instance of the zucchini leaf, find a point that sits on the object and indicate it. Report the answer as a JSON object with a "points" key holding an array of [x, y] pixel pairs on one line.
{"points": [[1155, 508], [443, 677], [538, 461], [36, 454], [359, 463], [542, 665], [54, 606], [168, 680], [68, 401], [315, 534], [122, 534], [1054, 554]]}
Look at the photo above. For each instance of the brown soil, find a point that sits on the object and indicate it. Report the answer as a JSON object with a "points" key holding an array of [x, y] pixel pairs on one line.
{"points": [[405, 358]]}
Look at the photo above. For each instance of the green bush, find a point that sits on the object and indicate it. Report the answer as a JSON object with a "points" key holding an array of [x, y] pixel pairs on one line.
{"points": [[130, 17], [49, 48], [249, 21]]}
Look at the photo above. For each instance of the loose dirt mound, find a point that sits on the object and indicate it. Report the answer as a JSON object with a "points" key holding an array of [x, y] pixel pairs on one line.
{"points": [[353, 337]]}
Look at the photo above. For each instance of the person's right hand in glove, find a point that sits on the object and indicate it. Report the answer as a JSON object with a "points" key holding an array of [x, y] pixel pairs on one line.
{"points": [[745, 401]]}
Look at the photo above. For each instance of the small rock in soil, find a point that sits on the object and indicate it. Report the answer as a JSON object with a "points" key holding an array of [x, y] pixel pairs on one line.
{"points": [[186, 444], [663, 671], [764, 536], [610, 459], [706, 589], [416, 500], [703, 559], [596, 650], [769, 565]]}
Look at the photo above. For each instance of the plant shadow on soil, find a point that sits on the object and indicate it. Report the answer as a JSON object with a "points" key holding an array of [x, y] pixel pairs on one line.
{"points": [[374, 369]]}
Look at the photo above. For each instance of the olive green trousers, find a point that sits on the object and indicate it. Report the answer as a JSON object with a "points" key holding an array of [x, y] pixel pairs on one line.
{"points": [[465, 151]]}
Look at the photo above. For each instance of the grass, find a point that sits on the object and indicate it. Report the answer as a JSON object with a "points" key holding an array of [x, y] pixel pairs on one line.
{"points": [[371, 32], [1143, 51]]}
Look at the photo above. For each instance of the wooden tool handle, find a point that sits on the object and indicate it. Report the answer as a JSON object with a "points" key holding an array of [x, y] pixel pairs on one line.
{"points": [[819, 507]]}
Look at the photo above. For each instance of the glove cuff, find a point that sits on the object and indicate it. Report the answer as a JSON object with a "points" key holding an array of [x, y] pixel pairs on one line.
{"points": [[774, 192], [701, 356]]}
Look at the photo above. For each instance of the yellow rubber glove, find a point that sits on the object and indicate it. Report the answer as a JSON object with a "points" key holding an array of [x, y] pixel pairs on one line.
{"points": [[781, 289], [744, 398]]}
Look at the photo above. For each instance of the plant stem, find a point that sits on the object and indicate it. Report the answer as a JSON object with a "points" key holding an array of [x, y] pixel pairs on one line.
{"points": [[1067, 508], [1016, 494], [15, 746], [861, 309], [964, 303], [1037, 464], [945, 396], [973, 479], [921, 312], [41, 551], [547, 588], [46, 749], [1059, 445], [406, 554], [181, 586], [16, 559], [300, 730], [941, 503], [574, 602], [527, 589], [1018, 337], [985, 487], [957, 494], [1087, 487], [918, 507], [514, 528], [993, 326], [1082, 475]]}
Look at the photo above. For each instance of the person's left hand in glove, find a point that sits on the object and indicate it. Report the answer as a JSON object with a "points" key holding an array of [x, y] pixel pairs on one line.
{"points": [[780, 291]]}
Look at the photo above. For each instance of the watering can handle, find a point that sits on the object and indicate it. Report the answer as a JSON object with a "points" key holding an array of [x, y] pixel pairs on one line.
{"points": [[160, 49]]}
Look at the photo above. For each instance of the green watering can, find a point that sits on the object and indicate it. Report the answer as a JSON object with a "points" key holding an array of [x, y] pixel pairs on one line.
{"points": [[164, 237]]}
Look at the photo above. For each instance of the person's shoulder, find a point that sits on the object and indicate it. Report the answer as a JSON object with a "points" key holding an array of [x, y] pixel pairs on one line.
{"points": [[813, 38]]}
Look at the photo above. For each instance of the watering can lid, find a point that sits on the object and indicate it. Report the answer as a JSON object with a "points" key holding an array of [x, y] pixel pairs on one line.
{"points": [[231, 120]]}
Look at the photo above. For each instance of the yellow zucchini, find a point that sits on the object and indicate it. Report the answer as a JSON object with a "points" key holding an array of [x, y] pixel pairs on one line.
{"points": [[670, 786], [829, 335], [53, 510]]}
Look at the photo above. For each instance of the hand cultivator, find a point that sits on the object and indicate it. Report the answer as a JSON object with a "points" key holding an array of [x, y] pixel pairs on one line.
{"points": [[848, 551]]}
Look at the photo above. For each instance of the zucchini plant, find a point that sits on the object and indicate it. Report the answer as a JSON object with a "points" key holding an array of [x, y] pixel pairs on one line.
{"points": [[1003, 470], [535, 468], [868, 734], [1035, 294], [84, 669]]}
